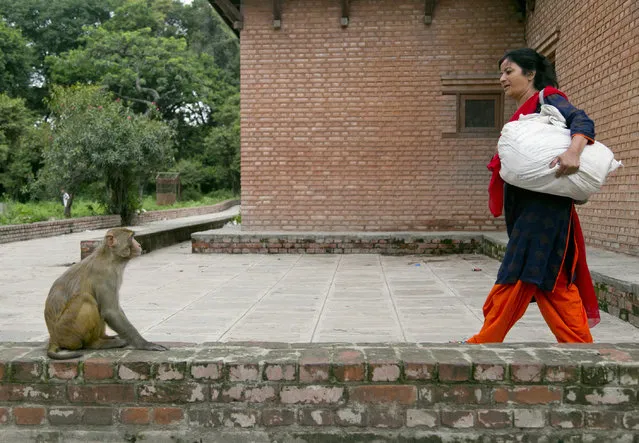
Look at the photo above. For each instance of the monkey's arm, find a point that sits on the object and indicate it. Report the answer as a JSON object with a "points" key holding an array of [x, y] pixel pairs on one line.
{"points": [[114, 316], [116, 319]]}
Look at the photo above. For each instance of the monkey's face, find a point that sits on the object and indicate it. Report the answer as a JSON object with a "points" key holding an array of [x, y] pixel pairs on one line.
{"points": [[136, 249], [122, 243]]}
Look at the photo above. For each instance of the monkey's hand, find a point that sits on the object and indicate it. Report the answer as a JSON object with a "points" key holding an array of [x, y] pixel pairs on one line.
{"points": [[148, 346]]}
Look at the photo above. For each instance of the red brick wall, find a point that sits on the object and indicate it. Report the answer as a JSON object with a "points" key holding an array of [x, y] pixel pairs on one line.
{"points": [[597, 62], [342, 127], [335, 393]]}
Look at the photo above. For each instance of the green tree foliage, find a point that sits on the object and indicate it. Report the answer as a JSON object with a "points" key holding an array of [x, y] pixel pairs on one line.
{"points": [[54, 26], [96, 138], [162, 58], [222, 146], [147, 70], [26, 161], [16, 60], [155, 66], [207, 33], [21, 145]]}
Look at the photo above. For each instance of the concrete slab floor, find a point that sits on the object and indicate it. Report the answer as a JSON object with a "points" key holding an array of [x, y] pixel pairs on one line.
{"points": [[173, 295]]}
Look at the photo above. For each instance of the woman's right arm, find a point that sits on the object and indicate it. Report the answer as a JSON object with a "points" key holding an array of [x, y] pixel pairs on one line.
{"points": [[582, 132], [576, 119]]}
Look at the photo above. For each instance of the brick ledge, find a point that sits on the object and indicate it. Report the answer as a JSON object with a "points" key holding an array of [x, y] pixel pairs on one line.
{"points": [[323, 393]]}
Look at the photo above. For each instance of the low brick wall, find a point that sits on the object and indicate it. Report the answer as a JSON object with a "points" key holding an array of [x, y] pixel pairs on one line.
{"points": [[170, 214], [29, 231], [617, 298], [11, 233], [323, 393], [152, 237], [389, 243]]}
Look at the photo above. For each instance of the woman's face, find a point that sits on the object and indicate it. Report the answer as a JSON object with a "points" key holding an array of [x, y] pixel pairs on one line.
{"points": [[516, 84]]}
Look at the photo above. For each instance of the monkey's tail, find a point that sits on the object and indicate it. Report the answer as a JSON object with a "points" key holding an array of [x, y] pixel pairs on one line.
{"points": [[53, 352]]}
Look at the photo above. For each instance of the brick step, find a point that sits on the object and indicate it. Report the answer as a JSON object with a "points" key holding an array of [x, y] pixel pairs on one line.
{"points": [[234, 241]]}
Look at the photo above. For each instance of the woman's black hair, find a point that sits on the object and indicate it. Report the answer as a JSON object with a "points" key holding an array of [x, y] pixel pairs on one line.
{"points": [[530, 60]]}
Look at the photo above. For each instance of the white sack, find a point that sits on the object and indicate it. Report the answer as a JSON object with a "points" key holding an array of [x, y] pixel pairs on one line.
{"points": [[527, 146]]}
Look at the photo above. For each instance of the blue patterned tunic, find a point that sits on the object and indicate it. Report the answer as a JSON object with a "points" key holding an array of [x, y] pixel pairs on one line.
{"points": [[538, 224]]}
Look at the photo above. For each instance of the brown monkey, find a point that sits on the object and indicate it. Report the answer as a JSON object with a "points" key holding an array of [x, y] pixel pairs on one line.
{"points": [[85, 299]]}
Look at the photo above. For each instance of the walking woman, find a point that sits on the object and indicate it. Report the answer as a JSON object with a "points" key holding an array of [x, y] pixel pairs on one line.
{"points": [[545, 260]]}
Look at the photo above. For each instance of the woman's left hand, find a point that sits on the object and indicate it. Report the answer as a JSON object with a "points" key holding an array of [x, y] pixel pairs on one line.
{"points": [[568, 163], [569, 160]]}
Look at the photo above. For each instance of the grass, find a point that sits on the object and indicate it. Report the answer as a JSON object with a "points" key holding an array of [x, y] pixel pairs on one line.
{"points": [[20, 213]]}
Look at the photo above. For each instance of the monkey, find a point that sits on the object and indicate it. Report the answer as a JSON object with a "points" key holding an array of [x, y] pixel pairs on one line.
{"points": [[84, 299]]}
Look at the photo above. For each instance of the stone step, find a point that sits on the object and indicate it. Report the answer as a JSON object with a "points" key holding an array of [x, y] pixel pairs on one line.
{"points": [[157, 235]]}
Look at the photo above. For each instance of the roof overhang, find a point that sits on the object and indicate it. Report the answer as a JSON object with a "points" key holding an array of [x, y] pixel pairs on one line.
{"points": [[231, 11]]}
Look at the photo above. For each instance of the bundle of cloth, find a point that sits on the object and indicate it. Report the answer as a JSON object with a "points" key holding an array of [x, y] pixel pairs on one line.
{"points": [[527, 147]]}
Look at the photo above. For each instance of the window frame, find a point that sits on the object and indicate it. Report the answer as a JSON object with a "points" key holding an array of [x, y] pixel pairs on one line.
{"points": [[462, 97], [471, 84]]}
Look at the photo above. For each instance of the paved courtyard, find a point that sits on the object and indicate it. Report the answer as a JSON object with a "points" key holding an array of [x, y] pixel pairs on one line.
{"points": [[175, 296]]}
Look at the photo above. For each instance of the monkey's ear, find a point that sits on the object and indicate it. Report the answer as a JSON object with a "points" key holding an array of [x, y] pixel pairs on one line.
{"points": [[110, 240]]}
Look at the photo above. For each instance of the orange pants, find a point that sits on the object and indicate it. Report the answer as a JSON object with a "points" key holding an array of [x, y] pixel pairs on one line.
{"points": [[562, 309]]}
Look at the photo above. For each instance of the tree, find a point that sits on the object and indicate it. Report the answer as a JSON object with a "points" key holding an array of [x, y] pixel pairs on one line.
{"points": [[54, 26], [51, 27], [150, 72], [26, 161], [207, 33], [162, 58], [97, 138], [20, 148], [137, 66], [223, 146], [16, 59]]}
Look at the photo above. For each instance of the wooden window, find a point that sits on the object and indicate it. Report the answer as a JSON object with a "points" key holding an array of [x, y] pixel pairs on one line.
{"points": [[479, 113], [477, 106]]}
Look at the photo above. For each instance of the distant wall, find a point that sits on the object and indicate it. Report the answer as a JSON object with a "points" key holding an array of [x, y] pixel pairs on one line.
{"points": [[30, 231], [349, 128]]}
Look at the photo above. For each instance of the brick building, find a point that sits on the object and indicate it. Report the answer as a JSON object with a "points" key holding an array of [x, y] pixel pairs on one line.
{"points": [[380, 115], [595, 44]]}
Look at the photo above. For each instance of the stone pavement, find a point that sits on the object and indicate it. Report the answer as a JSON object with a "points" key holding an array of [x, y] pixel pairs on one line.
{"points": [[172, 295]]}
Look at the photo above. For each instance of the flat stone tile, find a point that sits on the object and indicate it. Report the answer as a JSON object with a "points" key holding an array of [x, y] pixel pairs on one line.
{"points": [[173, 295]]}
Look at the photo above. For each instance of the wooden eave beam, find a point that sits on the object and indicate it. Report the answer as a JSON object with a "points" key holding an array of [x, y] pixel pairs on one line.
{"points": [[230, 13], [524, 6], [345, 13], [277, 14], [429, 9]]}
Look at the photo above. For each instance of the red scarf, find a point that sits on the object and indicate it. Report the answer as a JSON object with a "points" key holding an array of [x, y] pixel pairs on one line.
{"points": [[583, 280]]}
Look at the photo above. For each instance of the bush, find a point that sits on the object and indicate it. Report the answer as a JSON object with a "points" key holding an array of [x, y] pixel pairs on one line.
{"points": [[190, 194]]}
